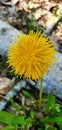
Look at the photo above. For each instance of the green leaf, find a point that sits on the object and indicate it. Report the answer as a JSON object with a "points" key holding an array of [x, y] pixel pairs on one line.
{"points": [[3, 61], [9, 128], [10, 119], [39, 129], [54, 119], [51, 100], [14, 105], [57, 108], [48, 127], [32, 113], [50, 103], [28, 95], [9, 71]]}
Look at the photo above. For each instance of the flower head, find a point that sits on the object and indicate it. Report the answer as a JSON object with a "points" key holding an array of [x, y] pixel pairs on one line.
{"points": [[31, 55]]}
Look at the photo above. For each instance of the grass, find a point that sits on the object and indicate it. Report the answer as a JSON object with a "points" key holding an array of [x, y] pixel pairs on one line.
{"points": [[28, 117]]}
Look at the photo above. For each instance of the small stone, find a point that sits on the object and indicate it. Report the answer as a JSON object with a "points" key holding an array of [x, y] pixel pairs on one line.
{"points": [[52, 81], [7, 36], [13, 92], [31, 82]]}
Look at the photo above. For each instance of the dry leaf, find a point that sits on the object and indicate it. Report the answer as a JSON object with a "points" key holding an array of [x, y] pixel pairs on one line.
{"points": [[33, 5], [14, 2], [6, 84]]}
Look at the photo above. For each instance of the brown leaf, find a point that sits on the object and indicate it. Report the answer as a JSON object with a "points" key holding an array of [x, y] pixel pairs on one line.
{"points": [[14, 2], [38, 115], [6, 84]]}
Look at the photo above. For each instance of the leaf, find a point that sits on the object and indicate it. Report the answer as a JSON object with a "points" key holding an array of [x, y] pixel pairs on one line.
{"points": [[14, 105], [3, 61], [14, 2], [10, 119], [48, 127], [28, 95], [9, 128], [54, 119], [32, 113], [57, 108], [50, 102]]}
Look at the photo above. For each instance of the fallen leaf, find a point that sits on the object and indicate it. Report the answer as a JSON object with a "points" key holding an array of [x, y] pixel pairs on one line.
{"points": [[6, 84]]}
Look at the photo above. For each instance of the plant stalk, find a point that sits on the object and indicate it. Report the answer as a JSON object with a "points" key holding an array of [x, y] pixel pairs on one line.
{"points": [[40, 94], [55, 12]]}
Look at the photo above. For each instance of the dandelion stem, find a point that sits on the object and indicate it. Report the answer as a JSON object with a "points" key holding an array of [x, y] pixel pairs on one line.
{"points": [[40, 94], [55, 12]]}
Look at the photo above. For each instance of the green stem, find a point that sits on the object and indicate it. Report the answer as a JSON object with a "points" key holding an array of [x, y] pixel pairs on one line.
{"points": [[55, 12], [40, 94]]}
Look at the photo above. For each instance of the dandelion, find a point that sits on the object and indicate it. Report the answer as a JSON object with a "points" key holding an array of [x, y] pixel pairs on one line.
{"points": [[31, 55]]}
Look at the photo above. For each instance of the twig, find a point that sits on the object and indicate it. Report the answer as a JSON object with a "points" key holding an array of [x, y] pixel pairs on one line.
{"points": [[3, 97]]}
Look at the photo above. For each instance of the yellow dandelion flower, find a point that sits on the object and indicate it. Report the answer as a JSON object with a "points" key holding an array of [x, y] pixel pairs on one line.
{"points": [[31, 55]]}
